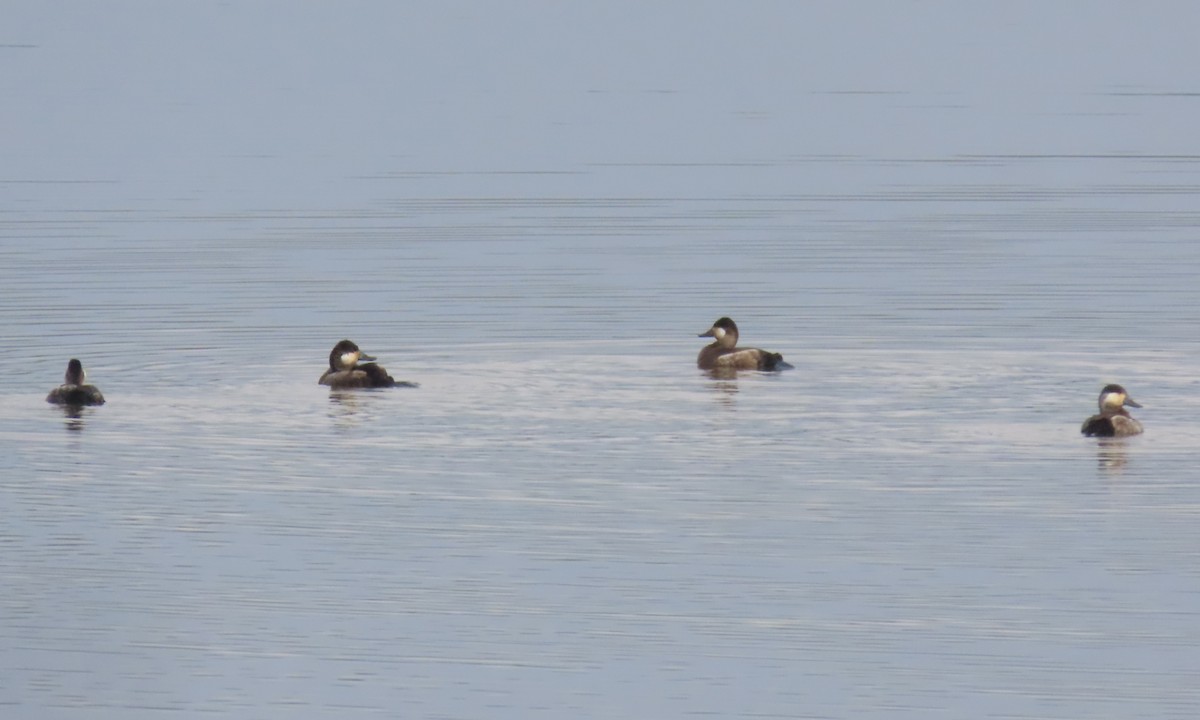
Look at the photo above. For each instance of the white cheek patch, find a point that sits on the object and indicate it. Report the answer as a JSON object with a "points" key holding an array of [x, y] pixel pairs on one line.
{"points": [[1113, 400], [350, 358], [719, 333]]}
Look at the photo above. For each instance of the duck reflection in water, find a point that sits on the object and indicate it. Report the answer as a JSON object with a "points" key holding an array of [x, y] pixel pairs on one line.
{"points": [[1112, 456], [348, 409], [345, 373], [723, 358], [724, 387]]}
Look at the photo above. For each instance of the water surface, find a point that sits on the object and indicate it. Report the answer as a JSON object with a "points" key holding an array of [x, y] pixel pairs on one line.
{"points": [[957, 223]]}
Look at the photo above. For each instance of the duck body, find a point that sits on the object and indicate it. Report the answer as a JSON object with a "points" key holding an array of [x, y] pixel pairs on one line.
{"points": [[724, 354], [74, 390], [1113, 420], [345, 373], [368, 375]]}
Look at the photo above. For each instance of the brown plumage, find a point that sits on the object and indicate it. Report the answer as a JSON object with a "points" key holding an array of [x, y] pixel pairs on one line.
{"points": [[345, 373], [1113, 419], [73, 391], [723, 353]]}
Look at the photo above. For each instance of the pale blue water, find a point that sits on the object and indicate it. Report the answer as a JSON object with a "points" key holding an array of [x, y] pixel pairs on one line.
{"points": [[957, 223]]}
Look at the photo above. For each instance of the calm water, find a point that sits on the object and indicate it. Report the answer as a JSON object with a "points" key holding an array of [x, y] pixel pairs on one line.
{"points": [[957, 224]]}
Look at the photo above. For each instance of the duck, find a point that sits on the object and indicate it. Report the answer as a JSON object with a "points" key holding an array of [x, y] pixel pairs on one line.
{"points": [[74, 391], [1113, 419], [723, 353], [345, 373]]}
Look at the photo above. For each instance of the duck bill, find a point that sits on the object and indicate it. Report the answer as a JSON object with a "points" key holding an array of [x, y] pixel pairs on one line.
{"points": [[708, 333], [1131, 402], [363, 357]]}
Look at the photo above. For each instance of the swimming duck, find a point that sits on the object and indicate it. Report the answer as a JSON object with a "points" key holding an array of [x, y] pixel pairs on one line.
{"points": [[723, 353], [73, 391], [1114, 420], [345, 373]]}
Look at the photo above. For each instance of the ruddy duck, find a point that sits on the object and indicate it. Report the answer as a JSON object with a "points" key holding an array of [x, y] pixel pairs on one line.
{"points": [[723, 353], [345, 373], [1114, 420], [73, 391]]}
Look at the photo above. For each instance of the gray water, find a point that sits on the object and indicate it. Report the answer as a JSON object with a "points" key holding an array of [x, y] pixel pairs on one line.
{"points": [[958, 223]]}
